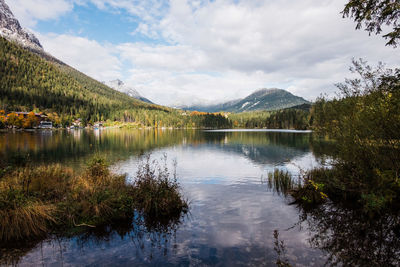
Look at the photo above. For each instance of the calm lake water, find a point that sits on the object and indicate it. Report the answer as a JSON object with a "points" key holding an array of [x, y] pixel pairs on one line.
{"points": [[233, 213]]}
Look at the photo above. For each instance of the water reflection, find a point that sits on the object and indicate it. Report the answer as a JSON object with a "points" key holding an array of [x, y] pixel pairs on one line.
{"points": [[232, 214], [349, 236], [74, 147], [227, 227], [352, 238], [150, 238]]}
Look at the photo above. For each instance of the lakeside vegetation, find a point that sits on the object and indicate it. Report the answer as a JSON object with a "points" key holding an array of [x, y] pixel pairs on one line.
{"points": [[364, 122], [37, 201]]}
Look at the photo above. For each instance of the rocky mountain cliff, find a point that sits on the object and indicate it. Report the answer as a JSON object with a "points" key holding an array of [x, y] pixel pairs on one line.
{"points": [[263, 99], [130, 91], [12, 30]]}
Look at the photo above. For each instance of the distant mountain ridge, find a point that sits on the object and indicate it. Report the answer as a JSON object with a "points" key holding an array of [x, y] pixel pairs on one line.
{"points": [[262, 99], [130, 91]]}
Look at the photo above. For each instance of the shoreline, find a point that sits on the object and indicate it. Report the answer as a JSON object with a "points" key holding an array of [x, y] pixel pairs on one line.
{"points": [[161, 128]]}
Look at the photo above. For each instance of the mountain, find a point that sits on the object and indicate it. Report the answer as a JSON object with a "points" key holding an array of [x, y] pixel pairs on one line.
{"points": [[120, 86], [31, 79], [263, 99], [12, 30]]}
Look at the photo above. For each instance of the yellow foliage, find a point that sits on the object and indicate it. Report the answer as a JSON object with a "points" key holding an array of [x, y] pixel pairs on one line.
{"points": [[198, 113]]}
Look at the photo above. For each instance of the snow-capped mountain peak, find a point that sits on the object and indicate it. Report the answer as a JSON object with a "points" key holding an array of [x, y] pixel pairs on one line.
{"points": [[12, 30], [132, 92]]}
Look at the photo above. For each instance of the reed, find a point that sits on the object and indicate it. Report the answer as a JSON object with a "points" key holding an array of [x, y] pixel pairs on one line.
{"points": [[35, 201], [304, 189], [23, 218], [281, 182]]}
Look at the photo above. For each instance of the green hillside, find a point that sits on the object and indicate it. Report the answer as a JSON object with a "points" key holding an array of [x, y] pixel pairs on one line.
{"points": [[297, 117], [29, 82]]}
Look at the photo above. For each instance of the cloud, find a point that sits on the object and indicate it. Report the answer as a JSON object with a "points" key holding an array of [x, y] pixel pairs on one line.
{"points": [[148, 10], [303, 46], [29, 12], [163, 57], [94, 59], [222, 49]]}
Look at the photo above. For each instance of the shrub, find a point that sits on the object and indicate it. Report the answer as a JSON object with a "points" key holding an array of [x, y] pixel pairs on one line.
{"points": [[310, 193], [158, 195]]}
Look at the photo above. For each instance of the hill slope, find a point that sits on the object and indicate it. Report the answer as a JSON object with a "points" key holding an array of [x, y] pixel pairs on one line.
{"points": [[263, 99]]}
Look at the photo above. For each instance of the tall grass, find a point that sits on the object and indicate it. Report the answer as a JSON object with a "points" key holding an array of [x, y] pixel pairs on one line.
{"points": [[35, 201], [24, 221], [281, 182], [304, 189], [24, 209]]}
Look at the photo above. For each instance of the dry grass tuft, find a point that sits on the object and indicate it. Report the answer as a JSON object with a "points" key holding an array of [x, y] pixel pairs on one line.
{"points": [[25, 221], [37, 200]]}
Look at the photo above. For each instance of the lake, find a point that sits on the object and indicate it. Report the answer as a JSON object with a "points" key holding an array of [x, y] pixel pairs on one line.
{"points": [[233, 212]]}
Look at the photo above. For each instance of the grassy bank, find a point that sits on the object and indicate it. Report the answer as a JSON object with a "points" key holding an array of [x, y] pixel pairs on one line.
{"points": [[303, 188], [339, 185], [36, 201]]}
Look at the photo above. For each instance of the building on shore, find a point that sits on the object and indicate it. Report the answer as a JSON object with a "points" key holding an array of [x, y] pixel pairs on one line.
{"points": [[45, 125], [40, 116]]}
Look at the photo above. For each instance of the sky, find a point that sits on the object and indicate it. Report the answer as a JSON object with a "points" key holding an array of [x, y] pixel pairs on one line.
{"points": [[180, 52]]}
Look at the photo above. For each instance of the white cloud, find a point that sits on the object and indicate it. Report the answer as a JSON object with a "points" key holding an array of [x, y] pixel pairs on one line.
{"points": [[92, 58], [303, 46], [29, 12], [162, 57], [148, 10]]}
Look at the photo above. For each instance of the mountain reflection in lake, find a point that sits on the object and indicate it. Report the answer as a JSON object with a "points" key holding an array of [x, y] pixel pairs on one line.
{"points": [[233, 214]]}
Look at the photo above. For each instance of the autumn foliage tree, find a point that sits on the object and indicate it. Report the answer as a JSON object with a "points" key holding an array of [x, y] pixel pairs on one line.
{"points": [[3, 119], [30, 121]]}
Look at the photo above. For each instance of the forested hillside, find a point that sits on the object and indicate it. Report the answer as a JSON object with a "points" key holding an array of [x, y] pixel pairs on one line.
{"points": [[29, 82], [298, 118]]}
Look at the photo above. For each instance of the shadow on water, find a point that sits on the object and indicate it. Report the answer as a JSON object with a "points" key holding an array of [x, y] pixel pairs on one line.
{"points": [[149, 236], [350, 237]]}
